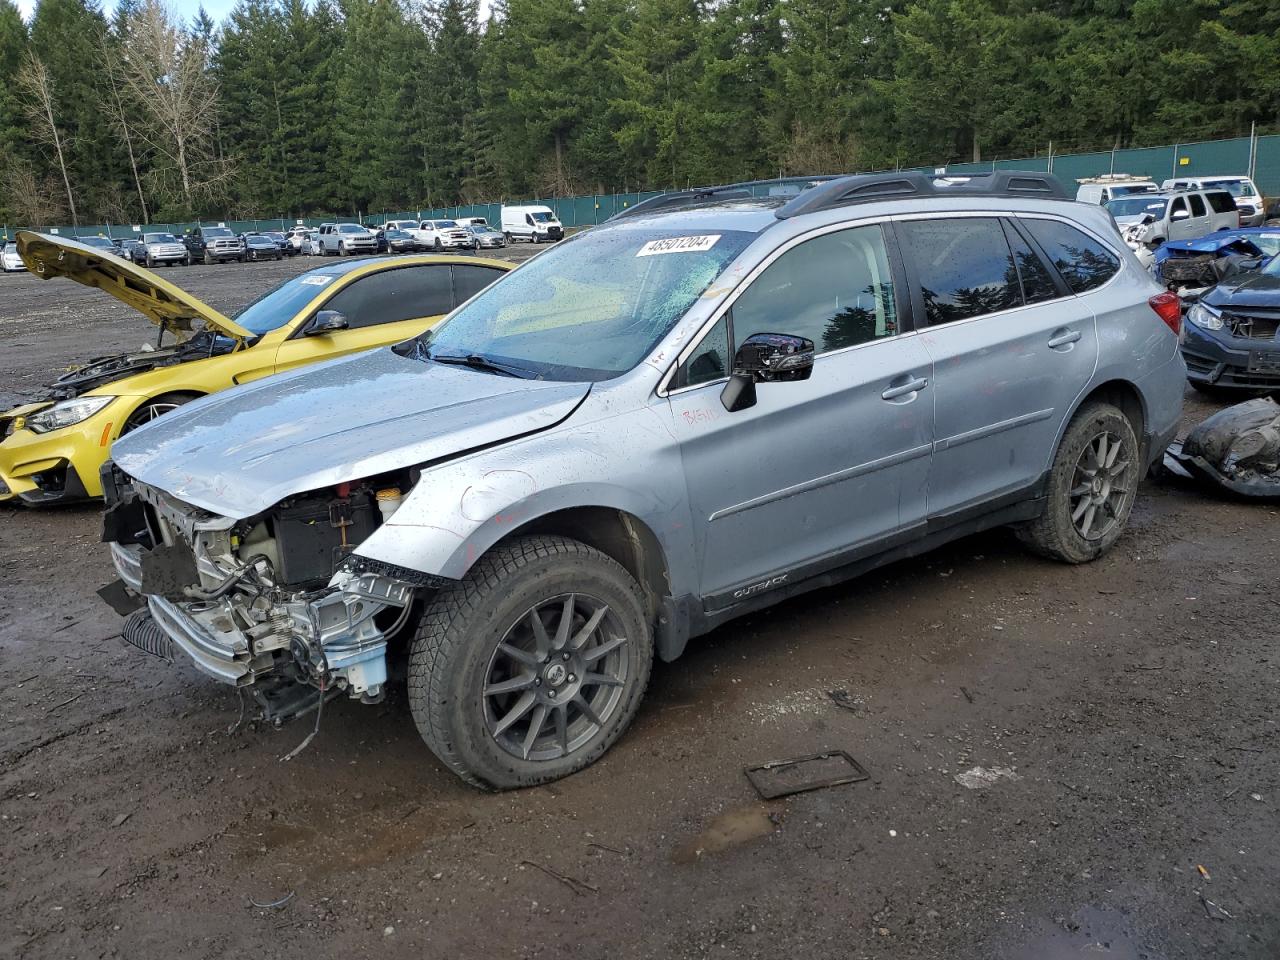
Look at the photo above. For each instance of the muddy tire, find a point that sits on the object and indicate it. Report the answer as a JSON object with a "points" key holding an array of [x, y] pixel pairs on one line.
{"points": [[1091, 489], [531, 666]]}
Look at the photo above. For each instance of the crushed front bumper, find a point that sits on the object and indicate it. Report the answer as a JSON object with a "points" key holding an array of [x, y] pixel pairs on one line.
{"points": [[1220, 360]]}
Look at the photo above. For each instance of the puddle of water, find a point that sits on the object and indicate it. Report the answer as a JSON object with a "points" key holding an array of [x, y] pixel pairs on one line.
{"points": [[731, 829]]}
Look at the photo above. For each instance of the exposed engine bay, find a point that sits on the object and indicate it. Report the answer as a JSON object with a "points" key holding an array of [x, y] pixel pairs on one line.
{"points": [[270, 602], [104, 370]]}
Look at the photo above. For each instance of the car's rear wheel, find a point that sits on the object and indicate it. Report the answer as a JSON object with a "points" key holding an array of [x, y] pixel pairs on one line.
{"points": [[154, 408], [531, 666], [1092, 486]]}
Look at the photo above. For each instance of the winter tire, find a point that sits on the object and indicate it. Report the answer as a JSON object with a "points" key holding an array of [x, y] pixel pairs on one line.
{"points": [[531, 666], [1092, 485]]}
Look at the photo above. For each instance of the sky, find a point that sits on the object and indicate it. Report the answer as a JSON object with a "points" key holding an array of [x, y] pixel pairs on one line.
{"points": [[187, 8]]}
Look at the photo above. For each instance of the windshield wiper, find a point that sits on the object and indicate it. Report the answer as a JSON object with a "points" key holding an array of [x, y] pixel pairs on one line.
{"points": [[477, 362]]}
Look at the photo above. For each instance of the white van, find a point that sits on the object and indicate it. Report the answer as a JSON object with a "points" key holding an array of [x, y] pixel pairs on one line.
{"points": [[1112, 185], [1248, 199], [535, 223]]}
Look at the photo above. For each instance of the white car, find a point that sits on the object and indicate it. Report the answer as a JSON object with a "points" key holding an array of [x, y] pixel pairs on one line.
{"points": [[1110, 186], [346, 239], [1247, 196], [311, 244], [535, 223], [440, 235], [1149, 219], [12, 262]]}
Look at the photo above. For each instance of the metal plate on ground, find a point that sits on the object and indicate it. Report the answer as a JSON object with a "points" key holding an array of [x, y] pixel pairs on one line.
{"points": [[782, 778]]}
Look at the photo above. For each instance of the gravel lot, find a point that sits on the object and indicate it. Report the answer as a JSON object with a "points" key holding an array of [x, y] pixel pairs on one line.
{"points": [[1131, 702]]}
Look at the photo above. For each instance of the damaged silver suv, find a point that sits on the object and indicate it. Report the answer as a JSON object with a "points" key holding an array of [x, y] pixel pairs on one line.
{"points": [[706, 405]]}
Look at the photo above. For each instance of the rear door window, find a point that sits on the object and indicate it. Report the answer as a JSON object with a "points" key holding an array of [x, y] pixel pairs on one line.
{"points": [[1083, 262], [964, 267], [1038, 284], [1221, 201], [1197, 205]]}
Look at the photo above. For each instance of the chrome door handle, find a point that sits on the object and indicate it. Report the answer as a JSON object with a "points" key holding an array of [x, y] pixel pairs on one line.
{"points": [[1063, 337], [911, 386]]}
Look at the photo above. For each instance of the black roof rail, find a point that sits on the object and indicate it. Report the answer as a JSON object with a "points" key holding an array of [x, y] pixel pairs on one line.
{"points": [[683, 199], [867, 188]]}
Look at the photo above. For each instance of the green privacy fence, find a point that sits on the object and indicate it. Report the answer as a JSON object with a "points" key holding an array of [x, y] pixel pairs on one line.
{"points": [[1258, 157]]}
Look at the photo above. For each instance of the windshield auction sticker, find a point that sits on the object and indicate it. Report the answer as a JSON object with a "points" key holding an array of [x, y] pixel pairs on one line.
{"points": [[319, 281], [678, 245]]}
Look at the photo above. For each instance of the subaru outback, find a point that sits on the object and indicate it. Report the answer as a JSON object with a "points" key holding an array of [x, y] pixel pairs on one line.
{"points": [[707, 404]]}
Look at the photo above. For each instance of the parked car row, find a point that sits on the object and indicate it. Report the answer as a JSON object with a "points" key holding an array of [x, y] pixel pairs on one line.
{"points": [[614, 449]]}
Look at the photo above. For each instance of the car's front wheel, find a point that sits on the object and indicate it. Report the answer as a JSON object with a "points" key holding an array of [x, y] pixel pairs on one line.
{"points": [[1092, 486], [155, 407], [531, 666]]}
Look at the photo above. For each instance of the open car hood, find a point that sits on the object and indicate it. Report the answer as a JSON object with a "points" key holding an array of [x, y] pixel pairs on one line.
{"points": [[158, 300]]}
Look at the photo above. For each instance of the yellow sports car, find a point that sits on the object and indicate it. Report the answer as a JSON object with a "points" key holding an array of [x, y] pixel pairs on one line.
{"points": [[51, 449]]}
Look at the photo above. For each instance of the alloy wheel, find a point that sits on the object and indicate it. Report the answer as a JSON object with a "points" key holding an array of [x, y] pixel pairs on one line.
{"points": [[556, 677], [1101, 482], [148, 412]]}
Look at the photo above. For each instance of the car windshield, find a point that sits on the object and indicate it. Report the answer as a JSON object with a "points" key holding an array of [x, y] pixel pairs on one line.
{"points": [[281, 304], [591, 308], [445, 224], [10, 248], [1137, 206], [1237, 188], [1136, 188], [544, 217], [97, 241], [217, 232], [159, 238], [396, 235], [350, 228]]}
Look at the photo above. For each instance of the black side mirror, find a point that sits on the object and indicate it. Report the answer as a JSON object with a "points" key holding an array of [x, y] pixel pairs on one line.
{"points": [[765, 358], [325, 321]]}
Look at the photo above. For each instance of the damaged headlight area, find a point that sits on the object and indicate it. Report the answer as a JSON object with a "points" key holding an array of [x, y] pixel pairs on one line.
{"points": [[1205, 316], [67, 413], [278, 603]]}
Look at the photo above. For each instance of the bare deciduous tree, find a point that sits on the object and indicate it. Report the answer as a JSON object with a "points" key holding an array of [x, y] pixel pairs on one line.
{"points": [[33, 200], [41, 110], [113, 105], [165, 70]]}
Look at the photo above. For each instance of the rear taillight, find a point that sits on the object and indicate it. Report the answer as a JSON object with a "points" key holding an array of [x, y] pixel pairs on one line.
{"points": [[1168, 307]]}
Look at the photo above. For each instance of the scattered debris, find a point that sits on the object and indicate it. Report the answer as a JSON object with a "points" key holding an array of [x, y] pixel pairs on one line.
{"points": [[65, 702], [120, 819], [781, 778], [1203, 872], [574, 884], [274, 903], [604, 846], [979, 778], [845, 700], [1256, 796], [1238, 449], [1213, 911], [967, 695]]}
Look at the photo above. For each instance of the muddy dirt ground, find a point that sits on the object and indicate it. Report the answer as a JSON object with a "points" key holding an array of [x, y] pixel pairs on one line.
{"points": [[1129, 708]]}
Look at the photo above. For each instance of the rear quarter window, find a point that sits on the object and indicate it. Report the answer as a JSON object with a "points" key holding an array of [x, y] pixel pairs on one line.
{"points": [[1221, 201], [1085, 264]]}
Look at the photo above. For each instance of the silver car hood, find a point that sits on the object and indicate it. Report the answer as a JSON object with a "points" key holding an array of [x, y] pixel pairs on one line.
{"points": [[239, 452]]}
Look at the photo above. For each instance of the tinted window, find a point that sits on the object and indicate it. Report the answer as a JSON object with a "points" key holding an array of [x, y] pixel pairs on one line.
{"points": [[468, 281], [1220, 201], [394, 295], [1197, 205], [709, 360], [835, 290], [965, 267], [1179, 206], [1037, 281], [1083, 262]]}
